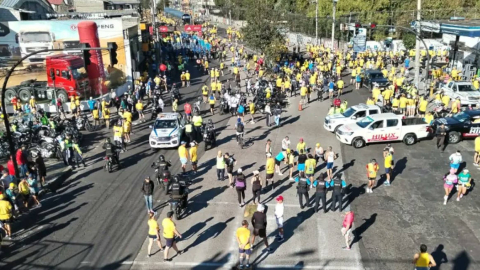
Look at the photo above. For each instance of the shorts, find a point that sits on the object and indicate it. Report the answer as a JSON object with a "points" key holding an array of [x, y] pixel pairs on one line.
{"points": [[140, 111], [74, 110], [301, 167], [330, 90], [246, 251], [448, 186], [260, 232], [455, 166], [372, 178], [153, 236], [194, 163], [279, 222], [6, 221], [309, 175], [388, 170], [277, 162], [349, 231], [169, 242], [409, 107], [421, 112], [189, 114], [184, 161], [290, 165], [212, 106], [329, 165], [230, 170], [269, 176]]}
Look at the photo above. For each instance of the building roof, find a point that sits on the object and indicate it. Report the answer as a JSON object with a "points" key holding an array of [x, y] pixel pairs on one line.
{"points": [[56, 2], [9, 3], [7, 14], [118, 2]]}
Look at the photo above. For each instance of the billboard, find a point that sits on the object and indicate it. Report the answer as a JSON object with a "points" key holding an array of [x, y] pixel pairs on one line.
{"points": [[18, 38]]}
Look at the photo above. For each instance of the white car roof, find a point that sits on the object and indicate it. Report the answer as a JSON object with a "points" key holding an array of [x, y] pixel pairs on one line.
{"points": [[363, 106], [167, 116], [384, 116]]}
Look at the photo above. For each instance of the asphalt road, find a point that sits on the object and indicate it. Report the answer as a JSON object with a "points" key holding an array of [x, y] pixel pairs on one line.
{"points": [[97, 219]]}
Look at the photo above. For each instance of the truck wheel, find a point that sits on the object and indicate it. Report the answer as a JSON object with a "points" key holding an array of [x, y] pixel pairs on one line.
{"points": [[454, 137], [336, 129], [358, 143], [62, 94], [410, 139], [24, 95], [9, 94]]}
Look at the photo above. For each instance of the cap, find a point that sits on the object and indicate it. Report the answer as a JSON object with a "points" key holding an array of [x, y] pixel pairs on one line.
{"points": [[318, 144], [301, 139], [269, 155], [192, 144], [279, 198], [12, 185], [239, 170], [465, 170], [260, 208], [256, 172], [183, 142]]}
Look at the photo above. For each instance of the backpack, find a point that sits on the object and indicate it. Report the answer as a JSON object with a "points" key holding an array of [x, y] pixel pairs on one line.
{"points": [[239, 184], [240, 128], [240, 109]]}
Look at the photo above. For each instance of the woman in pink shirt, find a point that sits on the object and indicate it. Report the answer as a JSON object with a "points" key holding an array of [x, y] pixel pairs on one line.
{"points": [[347, 228]]}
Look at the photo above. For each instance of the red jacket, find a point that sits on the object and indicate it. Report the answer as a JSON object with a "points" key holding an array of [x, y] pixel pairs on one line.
{"points": [[187, 108], [20, 157], [11, 169]]}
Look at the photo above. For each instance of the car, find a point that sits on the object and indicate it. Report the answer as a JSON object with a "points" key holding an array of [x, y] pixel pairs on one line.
{"points": [[351, 115], [468, 95], [463, 125], [386, 127], [374, 76], [167, 131]]}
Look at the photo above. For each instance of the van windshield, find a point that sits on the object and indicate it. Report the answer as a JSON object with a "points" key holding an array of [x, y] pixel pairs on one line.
{"points": [[349, 112], [36, 37]]}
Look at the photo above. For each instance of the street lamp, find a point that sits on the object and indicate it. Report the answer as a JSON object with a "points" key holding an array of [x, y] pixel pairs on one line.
{"points": [[333, 23]]}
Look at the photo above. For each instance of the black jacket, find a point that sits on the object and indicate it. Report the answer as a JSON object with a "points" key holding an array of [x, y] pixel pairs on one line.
{"points": [[147, 188]]}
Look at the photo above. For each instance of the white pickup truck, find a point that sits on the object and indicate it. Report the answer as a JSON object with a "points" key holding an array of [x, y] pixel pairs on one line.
{"points": [[386, 127], [351, 115], [469, 96]]}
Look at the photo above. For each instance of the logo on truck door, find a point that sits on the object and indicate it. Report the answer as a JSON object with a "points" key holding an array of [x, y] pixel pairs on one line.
{"points": [[383, 137], [474, 132]]}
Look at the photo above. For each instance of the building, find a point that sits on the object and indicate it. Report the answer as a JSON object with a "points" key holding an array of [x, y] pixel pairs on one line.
{"points": [[106, 5], [23, 10]]}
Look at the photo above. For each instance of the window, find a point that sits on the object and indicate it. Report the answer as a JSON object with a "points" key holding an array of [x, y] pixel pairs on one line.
{"points": [[361, 114], [392, 123], [370, 112], [450, 85], [65, 74], [378, 124]]}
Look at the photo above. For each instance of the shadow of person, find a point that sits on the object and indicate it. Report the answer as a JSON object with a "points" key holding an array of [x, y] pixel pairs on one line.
{"points": [[462, 261], [439, 256], [363, 228]]}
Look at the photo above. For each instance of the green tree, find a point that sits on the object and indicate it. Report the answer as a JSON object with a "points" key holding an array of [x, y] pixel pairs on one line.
{"points": [[409, 40], [161, 4]]}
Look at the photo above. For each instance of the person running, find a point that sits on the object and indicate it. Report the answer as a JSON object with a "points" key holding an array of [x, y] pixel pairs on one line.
{"points": [[331, 156], [455, 160], [372, 169], [244, 247], [169, 233], [388, 157], [240, 186], [270, 169], [278, 159], [279, 210], [291, 164], [450, 180], [423, 260], [464, 182], [259, 222], [153, 234], [193, 155], [183, 154], [347, 228]]}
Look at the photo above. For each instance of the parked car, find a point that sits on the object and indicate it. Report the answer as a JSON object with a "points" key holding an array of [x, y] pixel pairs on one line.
{"points": [[463, 125], [374, 76], [469, 96], [351, 115]]}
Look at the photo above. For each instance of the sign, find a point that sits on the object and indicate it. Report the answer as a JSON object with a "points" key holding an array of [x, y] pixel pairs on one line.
{"points": [[163, 29], [430, 27], [193, 27]]}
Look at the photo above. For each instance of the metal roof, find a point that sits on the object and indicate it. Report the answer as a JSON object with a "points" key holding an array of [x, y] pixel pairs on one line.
{"points": [[7, 15], [9, 3]]}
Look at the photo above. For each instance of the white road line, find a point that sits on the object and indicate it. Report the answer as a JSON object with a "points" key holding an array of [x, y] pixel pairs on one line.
{"points": [[218, 265], [236, 204]]}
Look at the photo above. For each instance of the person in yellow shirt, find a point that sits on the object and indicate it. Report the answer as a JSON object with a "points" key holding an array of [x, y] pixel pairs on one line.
{"points": [[375, 92], [388, 165], [403, 104], [476, 84], [410, 106], [370, 101], [183, 154], [127, 115], [422, 107], [428, 118], [445, 100], [372, 169], [77, 103], [187, 77], [354, 75], [395, 104], [139, 108], [193, 155], [73, 106], [169, 233], [387, 95], [106, 117], [127, 127], [6, 214], [183, 77], [96, 117], [153, 234], [476, 157], [303, 94], [244, 247], [455, 106], [251, 107], [32, 102], [340, 85], [455, 74]]}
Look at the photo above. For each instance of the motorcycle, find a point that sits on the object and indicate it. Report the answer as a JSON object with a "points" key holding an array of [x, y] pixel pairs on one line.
{"points": [[179, 205], [108, 164], [164, 179], [223, 106], [84, 123], [209, 138]]}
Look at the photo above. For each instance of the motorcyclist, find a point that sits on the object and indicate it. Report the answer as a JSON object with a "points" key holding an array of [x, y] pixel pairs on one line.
{"points": [[178, 190], [210, 129], [68, 150], [162, 166], [111, 150], [118, 135]]}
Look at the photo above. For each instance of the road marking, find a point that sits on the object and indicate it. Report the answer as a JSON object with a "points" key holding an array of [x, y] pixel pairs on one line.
{"points": [[219, 265], [236, 204], [30, 232]]}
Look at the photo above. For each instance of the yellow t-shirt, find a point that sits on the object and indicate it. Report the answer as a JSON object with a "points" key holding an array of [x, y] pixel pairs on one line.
{"points": [[182, 151], [477, 144], [375, 93], [303, 91], [95, 114], [445, 100], [423, 106], [387, 94], [340, 84], [139, 106], [193, 153], [128, 116], [168, 228], [5, 210], [403, 102], [388, 161], [243, 234], [270, 166], [252, 108], [152, 227]]}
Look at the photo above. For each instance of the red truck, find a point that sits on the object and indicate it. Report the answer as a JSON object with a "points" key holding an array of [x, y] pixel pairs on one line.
{"points": [[66, 76]]}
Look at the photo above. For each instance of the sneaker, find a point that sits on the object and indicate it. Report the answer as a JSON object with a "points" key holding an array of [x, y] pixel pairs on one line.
{"points": [[445, 202], [8, 237], [39, 205], [253, 122], [149, 255], [475, 164], [247, 265], [280, 239], [280, 174], [346, 248], [387, 184], [461, 195], [291, 178], [458, 199], [240, 266]]}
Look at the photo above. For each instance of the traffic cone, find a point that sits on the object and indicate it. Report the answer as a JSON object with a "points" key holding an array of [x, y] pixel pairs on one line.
{"points": [[300, 106]]}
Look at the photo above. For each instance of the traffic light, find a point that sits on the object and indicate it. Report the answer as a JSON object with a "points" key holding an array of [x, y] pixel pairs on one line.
{"points": [[373, 25], [86, 54], [357, 28], [112, 50]]}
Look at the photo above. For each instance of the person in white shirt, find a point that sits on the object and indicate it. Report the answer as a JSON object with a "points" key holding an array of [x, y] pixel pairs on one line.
{"points": [[279, 209], [161, 104], [285, 143], [455, 160]]}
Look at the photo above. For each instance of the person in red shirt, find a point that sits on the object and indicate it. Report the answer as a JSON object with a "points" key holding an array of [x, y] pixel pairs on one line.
{"points": [[187, 108], [347, 228], [22, 160], [10, 167]]}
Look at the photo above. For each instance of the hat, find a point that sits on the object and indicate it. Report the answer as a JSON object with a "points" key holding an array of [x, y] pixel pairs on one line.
{"points": [[193, 143], [260, 208], [183, 142], [301, 139], [279, 198], [465, 170], [239, 170], [256, 172], [318, 144], [12, 185]]}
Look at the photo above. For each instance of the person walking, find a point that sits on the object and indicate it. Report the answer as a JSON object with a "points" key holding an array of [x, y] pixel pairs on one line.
{"points": [[230, 162], [389, 163], [372, 169], [147, 189], [33, 186], [423, 260], [302, 189], [259, 222], [279, 210], [347, 228], [455, 160], [169, 233], [193, 155], [240, 186], [220, 166], [6, 214], [269, 169], [321, 189], [338, 185], [257, 183], [441, 133], [464, 182], [331, 156], [450, 180], [244, 247], [153, 233], [183, 154]]}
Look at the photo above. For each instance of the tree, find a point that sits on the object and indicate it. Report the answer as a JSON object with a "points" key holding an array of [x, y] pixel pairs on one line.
{"points": [[409, 40], [161, 4]]}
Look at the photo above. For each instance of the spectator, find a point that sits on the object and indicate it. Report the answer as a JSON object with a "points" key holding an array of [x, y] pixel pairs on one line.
{"points": [[347, 228], [21, 157], [41, 169], [6, 215], [11, 168], [147, 189], [33, 188]]}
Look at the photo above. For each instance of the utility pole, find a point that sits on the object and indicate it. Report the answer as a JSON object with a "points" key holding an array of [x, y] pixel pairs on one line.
{"points": [[417, 44], [316, 22], [333, 23]]}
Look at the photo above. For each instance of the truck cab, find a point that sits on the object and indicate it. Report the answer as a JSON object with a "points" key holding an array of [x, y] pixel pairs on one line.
{"points": [[69, 76], [167, 131], [469, 96], [351, 115], [35, 39], [387, 127]]}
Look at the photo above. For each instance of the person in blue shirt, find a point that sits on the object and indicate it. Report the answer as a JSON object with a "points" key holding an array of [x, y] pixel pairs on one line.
{"points": [[302, 189], [91, 104], [321, 189], [331, 87], [337, 184], [407, 63], [279, 158]]}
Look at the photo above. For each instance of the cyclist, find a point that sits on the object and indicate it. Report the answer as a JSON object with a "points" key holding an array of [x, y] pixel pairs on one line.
{"points": [[239, 127]]}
